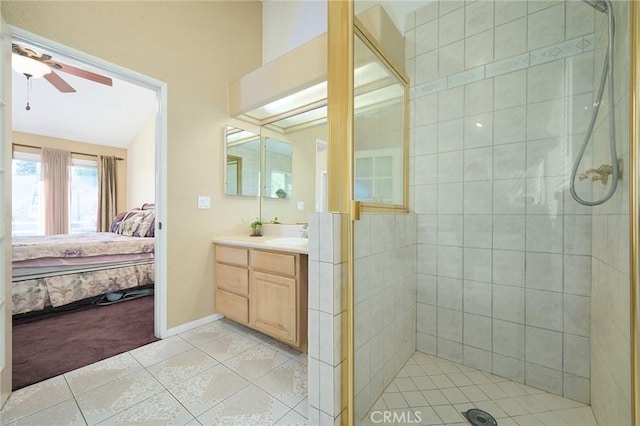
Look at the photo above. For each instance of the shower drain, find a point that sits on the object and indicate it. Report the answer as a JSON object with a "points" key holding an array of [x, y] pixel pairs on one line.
{"points": [[479, 417]]}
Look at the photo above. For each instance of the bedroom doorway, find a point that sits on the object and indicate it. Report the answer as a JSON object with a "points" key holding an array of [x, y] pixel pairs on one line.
{"points": [[159, 129]]}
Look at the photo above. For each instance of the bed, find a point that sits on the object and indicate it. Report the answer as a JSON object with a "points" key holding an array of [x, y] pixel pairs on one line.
{"points": [[53, 271]]}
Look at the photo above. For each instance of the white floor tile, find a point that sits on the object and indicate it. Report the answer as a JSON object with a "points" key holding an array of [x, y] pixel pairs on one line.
{"points": [[102, 372], [292, 418], [250, 406], [66, 413], [159, 409], [181, 367], [159, 351], [34, 398], [207, 389], [108, 400]]}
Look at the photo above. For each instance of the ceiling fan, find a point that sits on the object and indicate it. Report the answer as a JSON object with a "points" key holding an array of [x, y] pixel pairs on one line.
{"points": [[34, 64]]}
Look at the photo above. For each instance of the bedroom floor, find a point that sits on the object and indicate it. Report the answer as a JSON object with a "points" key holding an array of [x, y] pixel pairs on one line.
{"points": [[218, 373]]}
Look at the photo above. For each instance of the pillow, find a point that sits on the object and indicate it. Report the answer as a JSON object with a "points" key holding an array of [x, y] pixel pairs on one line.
{"points": [[137, 223], [116, 221]]}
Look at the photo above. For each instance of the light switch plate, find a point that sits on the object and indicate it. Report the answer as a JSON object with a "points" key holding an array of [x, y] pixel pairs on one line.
{"points": [[204, 202], [300, 205]]}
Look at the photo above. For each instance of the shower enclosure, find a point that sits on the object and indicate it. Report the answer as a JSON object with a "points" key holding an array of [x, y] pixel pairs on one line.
{"points": [[508, 276]]}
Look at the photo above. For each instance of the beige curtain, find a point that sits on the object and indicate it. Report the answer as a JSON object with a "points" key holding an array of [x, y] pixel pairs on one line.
{"points": [[55, 178], [107, 194]]}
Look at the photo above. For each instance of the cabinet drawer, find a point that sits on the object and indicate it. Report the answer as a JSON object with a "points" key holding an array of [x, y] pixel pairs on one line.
{"points": [[232, 306], [233, 279], [232, 255], [278, 263]]}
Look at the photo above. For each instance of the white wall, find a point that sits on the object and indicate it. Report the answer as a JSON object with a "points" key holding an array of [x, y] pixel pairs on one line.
{"points": [[499, 111], [289, 24], [610, 340], [141, 167]]}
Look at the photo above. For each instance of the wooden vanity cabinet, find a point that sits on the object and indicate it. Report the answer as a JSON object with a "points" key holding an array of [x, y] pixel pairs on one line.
{"points": [[265, 290], [232, 283]]}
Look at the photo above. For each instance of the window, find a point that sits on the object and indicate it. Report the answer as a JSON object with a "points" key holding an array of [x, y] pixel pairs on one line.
{"points": [[26, 193], [83, 213], [27, 208]]}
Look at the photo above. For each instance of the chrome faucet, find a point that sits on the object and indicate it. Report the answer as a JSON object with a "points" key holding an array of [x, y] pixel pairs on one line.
{"points": [[304, 233]]}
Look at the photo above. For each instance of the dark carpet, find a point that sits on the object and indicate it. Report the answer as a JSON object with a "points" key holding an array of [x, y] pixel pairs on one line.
{"points": [[48, 347]]}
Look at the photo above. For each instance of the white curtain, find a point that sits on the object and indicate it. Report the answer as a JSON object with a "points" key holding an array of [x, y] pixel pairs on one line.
{"points": [[55, 185], [107, 194]]}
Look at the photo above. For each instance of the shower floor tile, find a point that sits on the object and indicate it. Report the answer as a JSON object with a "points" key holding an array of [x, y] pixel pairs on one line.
{"points": [[437, 391]]}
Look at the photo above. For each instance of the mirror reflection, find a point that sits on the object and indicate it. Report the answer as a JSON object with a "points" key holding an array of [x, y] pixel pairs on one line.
{"points": [[295, 139], [242, 170], [278, 168], [379, 139]]}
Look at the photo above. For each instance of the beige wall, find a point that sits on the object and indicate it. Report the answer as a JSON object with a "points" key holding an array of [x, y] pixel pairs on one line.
{"points": [[79, 147], [196, 48], [141, 166]]}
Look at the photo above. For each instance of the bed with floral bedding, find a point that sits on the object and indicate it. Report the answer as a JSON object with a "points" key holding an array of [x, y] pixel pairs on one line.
{"points": [[55, 270]]}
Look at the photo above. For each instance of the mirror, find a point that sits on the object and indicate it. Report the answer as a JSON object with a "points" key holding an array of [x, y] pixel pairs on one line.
{"points": [[242, 169], [278, 169], [296, 139]]}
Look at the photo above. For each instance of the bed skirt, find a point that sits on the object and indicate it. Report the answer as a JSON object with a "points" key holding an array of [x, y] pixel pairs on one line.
{"points": [[55, 291]]}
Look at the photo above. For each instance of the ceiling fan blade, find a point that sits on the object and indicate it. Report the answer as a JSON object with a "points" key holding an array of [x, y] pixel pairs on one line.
{"points": [[84, 74], [59, 83]]}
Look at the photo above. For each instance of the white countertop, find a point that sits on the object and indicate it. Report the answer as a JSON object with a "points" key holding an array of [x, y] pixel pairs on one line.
{"points": [[264, 242]]}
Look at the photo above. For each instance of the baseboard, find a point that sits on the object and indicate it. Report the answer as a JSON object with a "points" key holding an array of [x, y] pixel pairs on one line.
{"points": [[191, 325]]}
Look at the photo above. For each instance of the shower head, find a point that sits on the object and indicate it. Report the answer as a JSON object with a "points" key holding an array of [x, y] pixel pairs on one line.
{"points": [[598, 5]]}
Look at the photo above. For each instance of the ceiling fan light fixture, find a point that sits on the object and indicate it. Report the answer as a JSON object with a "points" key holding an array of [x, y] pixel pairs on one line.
{"points": [[24, 65]]}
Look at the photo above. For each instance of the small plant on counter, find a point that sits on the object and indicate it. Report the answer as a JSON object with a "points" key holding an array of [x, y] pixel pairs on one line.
{"points": [[256, 226]]}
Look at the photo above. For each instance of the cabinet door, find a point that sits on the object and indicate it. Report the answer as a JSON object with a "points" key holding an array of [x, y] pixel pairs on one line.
{"points": [[273, 305]]}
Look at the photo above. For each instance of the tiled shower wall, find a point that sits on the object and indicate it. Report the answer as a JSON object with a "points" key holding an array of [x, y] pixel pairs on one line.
{"points": [[501, 96], [385, 303], [610, 348]]}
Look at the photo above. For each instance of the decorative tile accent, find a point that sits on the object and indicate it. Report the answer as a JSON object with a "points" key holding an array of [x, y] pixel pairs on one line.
{"points": [[250, 406], [101, 403], [564, 49], [181, 367], [466, 77], [159, 409], [207, 389], [36, 397]]}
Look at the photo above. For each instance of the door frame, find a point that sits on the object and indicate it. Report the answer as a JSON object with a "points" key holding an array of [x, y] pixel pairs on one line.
{"points": [[160, 89]]}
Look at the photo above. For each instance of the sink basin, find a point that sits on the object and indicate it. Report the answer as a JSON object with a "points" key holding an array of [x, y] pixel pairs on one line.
{"points": [[289, 240]]}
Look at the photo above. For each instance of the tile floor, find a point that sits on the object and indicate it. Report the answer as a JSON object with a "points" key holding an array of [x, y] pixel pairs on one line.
{"points": [[220, 373], [433, 391], [223, 373]]}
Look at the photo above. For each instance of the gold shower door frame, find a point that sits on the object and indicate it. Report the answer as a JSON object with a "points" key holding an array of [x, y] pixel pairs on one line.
{"points": [[342, 28]]}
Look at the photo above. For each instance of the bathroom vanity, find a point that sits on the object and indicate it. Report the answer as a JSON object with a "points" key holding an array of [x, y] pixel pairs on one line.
{"points": [[261, 283]]}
